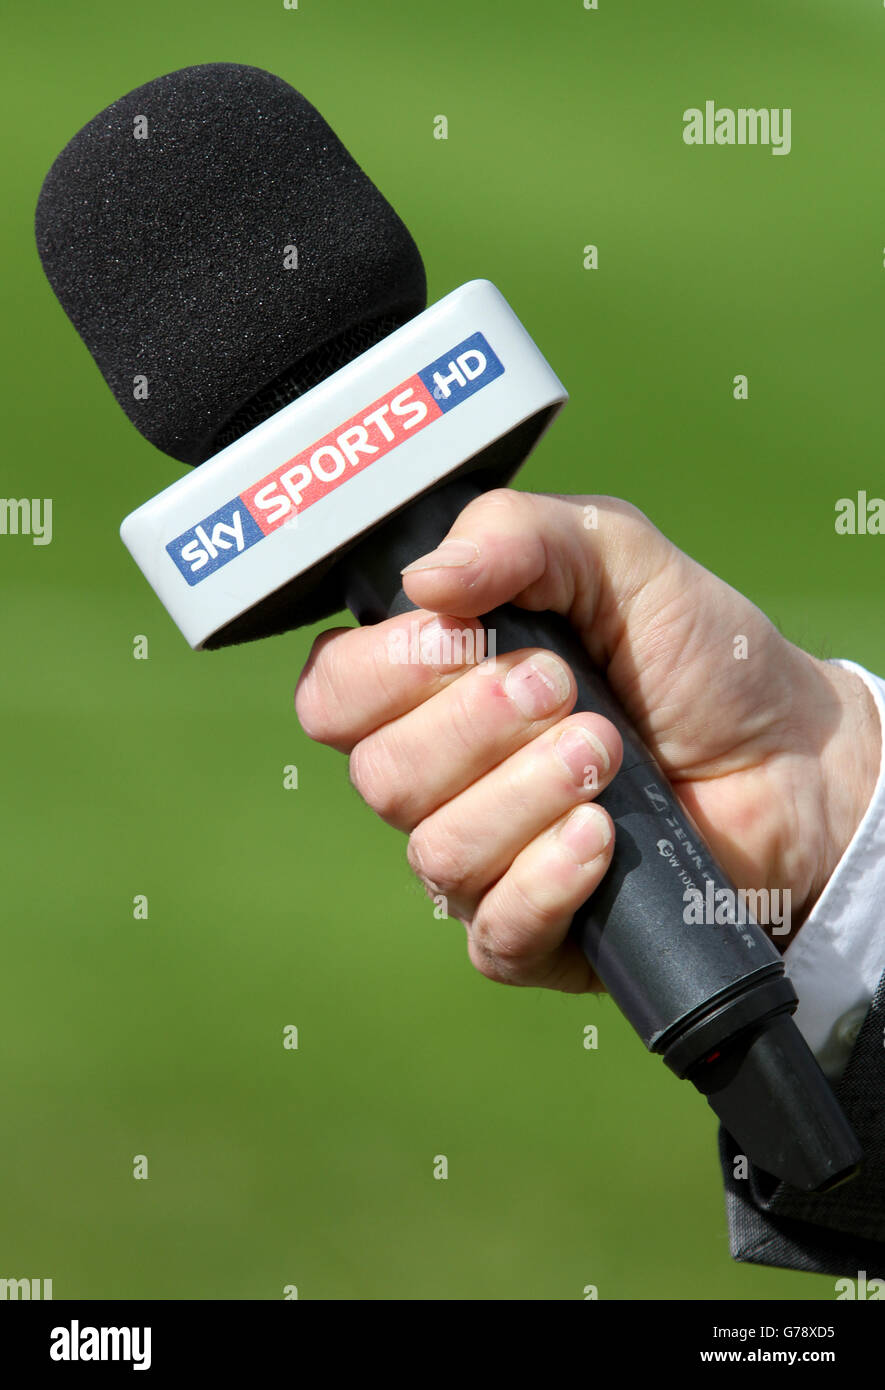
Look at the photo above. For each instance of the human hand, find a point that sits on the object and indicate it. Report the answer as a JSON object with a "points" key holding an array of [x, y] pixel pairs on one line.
{"points": [[774, 756]]}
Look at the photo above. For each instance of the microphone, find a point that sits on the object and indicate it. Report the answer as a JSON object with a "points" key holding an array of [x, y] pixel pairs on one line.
{"points": [[258, 309]]}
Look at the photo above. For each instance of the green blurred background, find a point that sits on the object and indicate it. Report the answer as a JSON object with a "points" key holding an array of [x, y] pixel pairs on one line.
{"points": [[164, 777]]}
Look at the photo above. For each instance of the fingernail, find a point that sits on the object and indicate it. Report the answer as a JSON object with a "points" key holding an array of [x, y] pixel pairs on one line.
{"points": [[449, 555], [585, 834], [444, 645], [538, 686], [579, 751], [430, 641]]}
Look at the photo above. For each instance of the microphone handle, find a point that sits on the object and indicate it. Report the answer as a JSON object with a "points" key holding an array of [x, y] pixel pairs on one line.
{"points": [[664, 974], [712, 1000]]}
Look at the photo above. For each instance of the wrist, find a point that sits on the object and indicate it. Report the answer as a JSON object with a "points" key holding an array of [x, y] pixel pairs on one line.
{"points": [[849, 762]]}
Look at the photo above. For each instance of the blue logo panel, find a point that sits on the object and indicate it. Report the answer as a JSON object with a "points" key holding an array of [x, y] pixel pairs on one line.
{"points": [[463, 370], [217, 539]]}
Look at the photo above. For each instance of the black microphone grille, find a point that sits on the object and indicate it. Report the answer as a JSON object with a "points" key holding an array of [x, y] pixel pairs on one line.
{"points": [[313, 368], [220, 252]]}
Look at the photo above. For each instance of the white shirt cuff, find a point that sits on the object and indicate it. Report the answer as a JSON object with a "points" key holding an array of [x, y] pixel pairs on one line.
{"points": [[838, 956]]}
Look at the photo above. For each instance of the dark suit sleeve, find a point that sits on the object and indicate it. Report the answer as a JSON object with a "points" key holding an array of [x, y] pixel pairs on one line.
{"points": [[840, 1232]]}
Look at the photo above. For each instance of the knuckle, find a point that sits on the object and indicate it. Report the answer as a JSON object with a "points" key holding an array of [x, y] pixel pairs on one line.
{"points": [[634, 529], [488, 964], [505, 499], [317, 704], [501, 942], [618, 509], [311, 710], [436, 859], [513, 934], [515, 509], [632, 514], [495, 957], [376, 781]]}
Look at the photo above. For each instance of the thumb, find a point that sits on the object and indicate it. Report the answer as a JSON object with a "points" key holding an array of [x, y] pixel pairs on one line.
{"points": [[588, 558]]}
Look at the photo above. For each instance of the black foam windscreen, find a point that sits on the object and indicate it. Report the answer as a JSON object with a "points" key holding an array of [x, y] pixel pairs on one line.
{"points": [[220, 252]]}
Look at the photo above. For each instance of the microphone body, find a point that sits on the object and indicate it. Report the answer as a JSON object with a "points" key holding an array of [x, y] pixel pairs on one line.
{"points": [[712, 1000], [340, 428]]}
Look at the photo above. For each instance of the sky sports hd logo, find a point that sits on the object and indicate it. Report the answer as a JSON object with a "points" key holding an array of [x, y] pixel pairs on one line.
{"points": [[330, 461]]}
